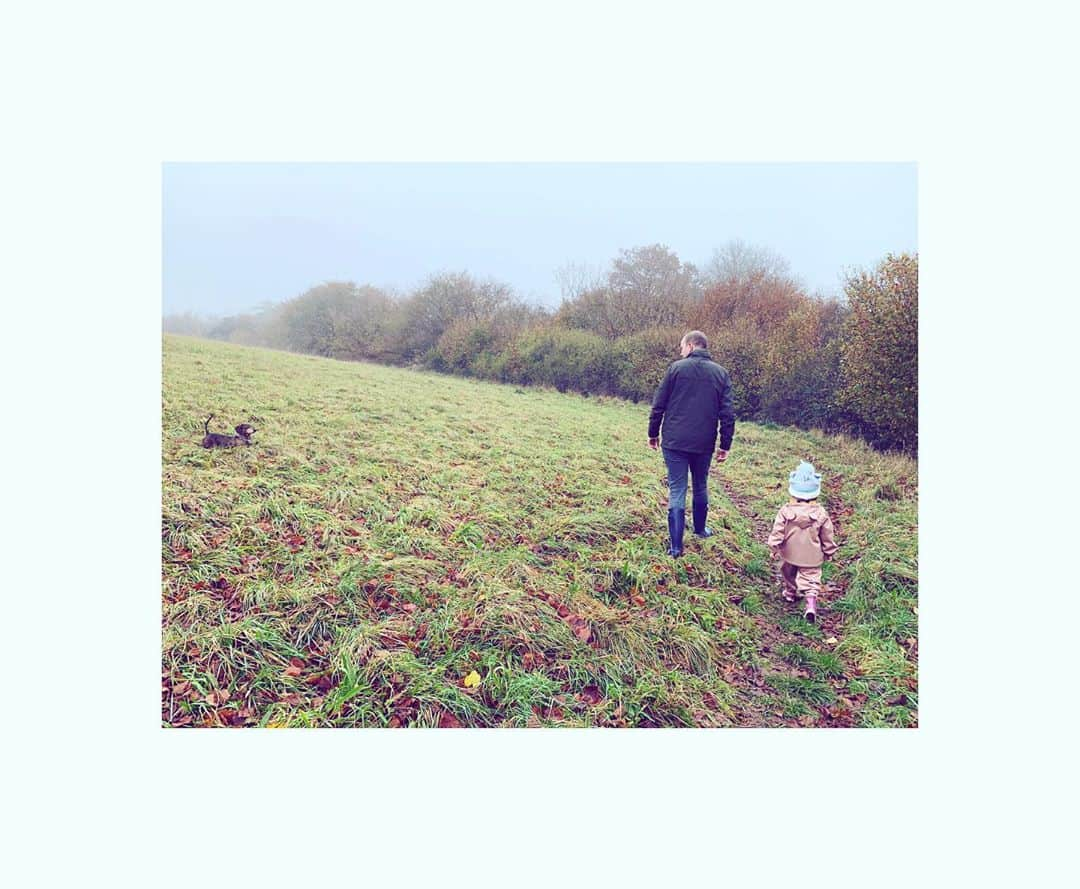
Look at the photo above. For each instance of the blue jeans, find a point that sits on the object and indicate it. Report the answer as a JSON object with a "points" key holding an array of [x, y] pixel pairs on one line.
{"points": [[678, 463]]}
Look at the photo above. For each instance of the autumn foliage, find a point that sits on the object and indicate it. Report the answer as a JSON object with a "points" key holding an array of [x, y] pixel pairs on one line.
{"points": [[879, 356], [840, 364]]}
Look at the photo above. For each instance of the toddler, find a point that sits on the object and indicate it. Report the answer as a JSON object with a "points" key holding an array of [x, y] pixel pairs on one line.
{"points": [[802, 536]]}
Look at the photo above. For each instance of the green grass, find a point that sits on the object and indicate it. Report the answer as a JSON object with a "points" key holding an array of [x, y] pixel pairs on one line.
{"points": [[392, 531]]}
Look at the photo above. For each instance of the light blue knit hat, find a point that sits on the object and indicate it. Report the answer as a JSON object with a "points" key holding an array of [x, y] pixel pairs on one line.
{"points": [[804, 483]]}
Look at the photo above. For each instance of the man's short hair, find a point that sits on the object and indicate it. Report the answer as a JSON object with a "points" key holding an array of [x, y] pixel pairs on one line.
{"points": [[697, 339]]}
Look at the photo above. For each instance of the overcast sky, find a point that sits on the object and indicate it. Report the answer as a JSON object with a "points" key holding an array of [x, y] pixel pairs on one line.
{"points": [[236, 235]]}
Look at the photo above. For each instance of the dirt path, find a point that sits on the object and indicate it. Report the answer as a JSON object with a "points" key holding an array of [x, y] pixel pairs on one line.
{"points": [[773, 635]]}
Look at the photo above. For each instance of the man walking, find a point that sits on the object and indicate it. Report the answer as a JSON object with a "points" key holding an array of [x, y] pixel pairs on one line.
{"points": [[693, 398]]}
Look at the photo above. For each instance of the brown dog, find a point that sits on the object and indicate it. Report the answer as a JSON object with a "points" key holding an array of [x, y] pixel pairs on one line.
{"points": [[220, 440]]}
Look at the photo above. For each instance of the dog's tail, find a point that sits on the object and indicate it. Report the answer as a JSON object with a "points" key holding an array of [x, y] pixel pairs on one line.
{"points": [[206, 425]]}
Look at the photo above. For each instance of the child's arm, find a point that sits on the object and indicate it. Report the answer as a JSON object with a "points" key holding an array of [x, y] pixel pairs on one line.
{"points": [[828, 540], [776, 536]]}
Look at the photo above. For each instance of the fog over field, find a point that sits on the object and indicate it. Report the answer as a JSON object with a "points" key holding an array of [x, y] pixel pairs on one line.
{"points": [[239, 235]]}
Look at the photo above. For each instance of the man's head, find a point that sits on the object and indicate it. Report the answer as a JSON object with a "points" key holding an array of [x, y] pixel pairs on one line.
{"points": [[695, 339]]}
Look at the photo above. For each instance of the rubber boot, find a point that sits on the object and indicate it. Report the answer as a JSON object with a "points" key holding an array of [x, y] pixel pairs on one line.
{"points": [[701, 513], [676, 523], [811, 609]]}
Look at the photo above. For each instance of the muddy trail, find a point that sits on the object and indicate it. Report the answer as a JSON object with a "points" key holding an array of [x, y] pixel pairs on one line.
{"points": [[775, 612]]}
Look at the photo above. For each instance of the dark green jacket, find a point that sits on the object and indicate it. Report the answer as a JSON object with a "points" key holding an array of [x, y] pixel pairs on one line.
{"points": [[694, 396]]}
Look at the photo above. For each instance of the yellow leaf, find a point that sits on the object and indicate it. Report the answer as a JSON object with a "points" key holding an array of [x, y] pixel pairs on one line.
{"points": [[472, 680]]}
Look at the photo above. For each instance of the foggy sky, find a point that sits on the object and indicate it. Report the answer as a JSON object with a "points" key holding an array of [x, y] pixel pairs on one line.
{"points": [[236, 235]]}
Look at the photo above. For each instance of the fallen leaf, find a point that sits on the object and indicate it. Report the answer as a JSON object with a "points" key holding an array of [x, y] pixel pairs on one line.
{"points": [[590, 694], [832, 640], [448, 720], [840, 712], [293, 670], [580, 628], [472, 680], [222, 585]]}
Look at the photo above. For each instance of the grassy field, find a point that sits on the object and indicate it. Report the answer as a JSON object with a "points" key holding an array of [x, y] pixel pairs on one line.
{"points": [[395, 536]]}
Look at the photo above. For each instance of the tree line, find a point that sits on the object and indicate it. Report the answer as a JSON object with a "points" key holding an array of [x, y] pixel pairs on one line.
{"points": [[846, 363]]}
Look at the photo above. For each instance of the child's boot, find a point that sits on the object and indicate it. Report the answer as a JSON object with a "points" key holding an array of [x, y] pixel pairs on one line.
{"points": [[811, 608]]}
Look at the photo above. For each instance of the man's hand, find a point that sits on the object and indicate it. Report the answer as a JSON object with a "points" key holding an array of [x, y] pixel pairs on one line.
{"points": [[721, 456], [654, 443]]}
